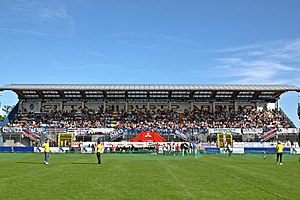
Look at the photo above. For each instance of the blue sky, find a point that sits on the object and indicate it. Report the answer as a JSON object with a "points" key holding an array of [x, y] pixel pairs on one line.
{"points": [[151, 41]]}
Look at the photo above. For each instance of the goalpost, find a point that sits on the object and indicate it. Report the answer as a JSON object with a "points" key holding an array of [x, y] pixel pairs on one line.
{"points": [[225, 142], [65, 140]]}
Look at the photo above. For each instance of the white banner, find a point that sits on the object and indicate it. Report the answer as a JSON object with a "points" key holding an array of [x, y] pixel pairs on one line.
{"points": [[238, 144], [224, 130], [88, 150], [238, 150], [100, 130], [52, 149], [260, 144], [295, 150], [38, 149], [252, 130], [81, 131], [288, 130], [12, 130]]}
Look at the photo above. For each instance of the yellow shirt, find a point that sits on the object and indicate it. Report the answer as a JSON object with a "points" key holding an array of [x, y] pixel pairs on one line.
{"points": [[46, 147], [99, 148], [279, 148]]}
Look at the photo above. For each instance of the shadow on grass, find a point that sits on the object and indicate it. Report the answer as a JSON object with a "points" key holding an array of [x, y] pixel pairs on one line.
{"points": [[30, 162], [82, 163], [245, 163]]}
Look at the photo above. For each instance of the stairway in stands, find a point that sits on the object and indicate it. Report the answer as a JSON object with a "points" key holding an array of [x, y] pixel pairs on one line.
{"points": [[114, 119], [32, 136], [24, 118]]}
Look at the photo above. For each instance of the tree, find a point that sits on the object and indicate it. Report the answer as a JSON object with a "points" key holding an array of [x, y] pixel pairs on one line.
{"points": [[7, 109]]}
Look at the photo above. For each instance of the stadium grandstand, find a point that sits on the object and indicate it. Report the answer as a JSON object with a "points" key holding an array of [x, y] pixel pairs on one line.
{"points": [[119, 112]]}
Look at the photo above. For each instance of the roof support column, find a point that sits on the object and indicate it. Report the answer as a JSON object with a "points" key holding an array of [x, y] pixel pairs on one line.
{"points": [[20, 106], [61, 105], [169, 105], [40, 106], [126, 106], [235, 107], [192, 105], [277, 105], [256, 105], [82, 105], [213, 106], [148, 105], [104, 106]]}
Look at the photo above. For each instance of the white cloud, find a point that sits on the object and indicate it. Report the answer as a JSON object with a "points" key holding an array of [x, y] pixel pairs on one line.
{"points": [[38, 14], [274, 62], [97, 54], [240, 48], [32, 32], [151, 39], [55, 13]]}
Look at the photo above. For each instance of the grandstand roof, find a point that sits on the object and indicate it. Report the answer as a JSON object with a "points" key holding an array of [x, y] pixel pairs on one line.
{"points": [[155, 91], [165, 87]]}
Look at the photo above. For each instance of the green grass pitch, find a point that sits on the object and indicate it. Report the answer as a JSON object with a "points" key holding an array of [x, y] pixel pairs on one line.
{"points": [[133, 176]]}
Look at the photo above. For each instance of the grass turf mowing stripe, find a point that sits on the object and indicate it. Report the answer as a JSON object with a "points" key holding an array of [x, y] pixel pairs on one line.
{"points": [[126, 176], [258, 186]]}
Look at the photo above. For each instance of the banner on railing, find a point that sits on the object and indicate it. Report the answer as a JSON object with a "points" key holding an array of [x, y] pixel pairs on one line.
{"points": [[12, 130], [55, 130], [100, 130], [197, 130], [288, 130], [225, 130], [268, 135], [81, 131], [52, 149], [182, 135], [252, 130], [116, 134]]}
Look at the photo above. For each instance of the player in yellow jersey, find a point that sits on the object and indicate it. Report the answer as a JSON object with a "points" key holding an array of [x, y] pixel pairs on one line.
{"points": [[46, 151], [99, 152], [279, 149]]}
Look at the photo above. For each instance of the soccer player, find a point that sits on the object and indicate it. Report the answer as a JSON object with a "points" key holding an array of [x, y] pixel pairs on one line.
{"points": [[46, 151], [228, 149], [99, 151], [279, 149]]}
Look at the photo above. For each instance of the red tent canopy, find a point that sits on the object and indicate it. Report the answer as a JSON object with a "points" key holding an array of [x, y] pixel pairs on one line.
{"points": [[148, 137]]}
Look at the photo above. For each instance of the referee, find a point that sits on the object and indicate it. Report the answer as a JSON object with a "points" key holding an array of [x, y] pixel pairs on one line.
{"points": [[99, 151], [279, 149]]}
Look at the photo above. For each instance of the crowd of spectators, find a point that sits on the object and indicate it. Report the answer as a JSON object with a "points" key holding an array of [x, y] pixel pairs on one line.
{"points": [[153, 119]]}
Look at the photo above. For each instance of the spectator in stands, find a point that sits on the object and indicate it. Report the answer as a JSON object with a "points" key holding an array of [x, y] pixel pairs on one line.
{"points": [[163, 121]]}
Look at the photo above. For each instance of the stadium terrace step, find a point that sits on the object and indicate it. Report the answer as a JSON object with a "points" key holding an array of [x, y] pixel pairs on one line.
{"points": [[11, 143], [24, 118], [115, 114]]}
